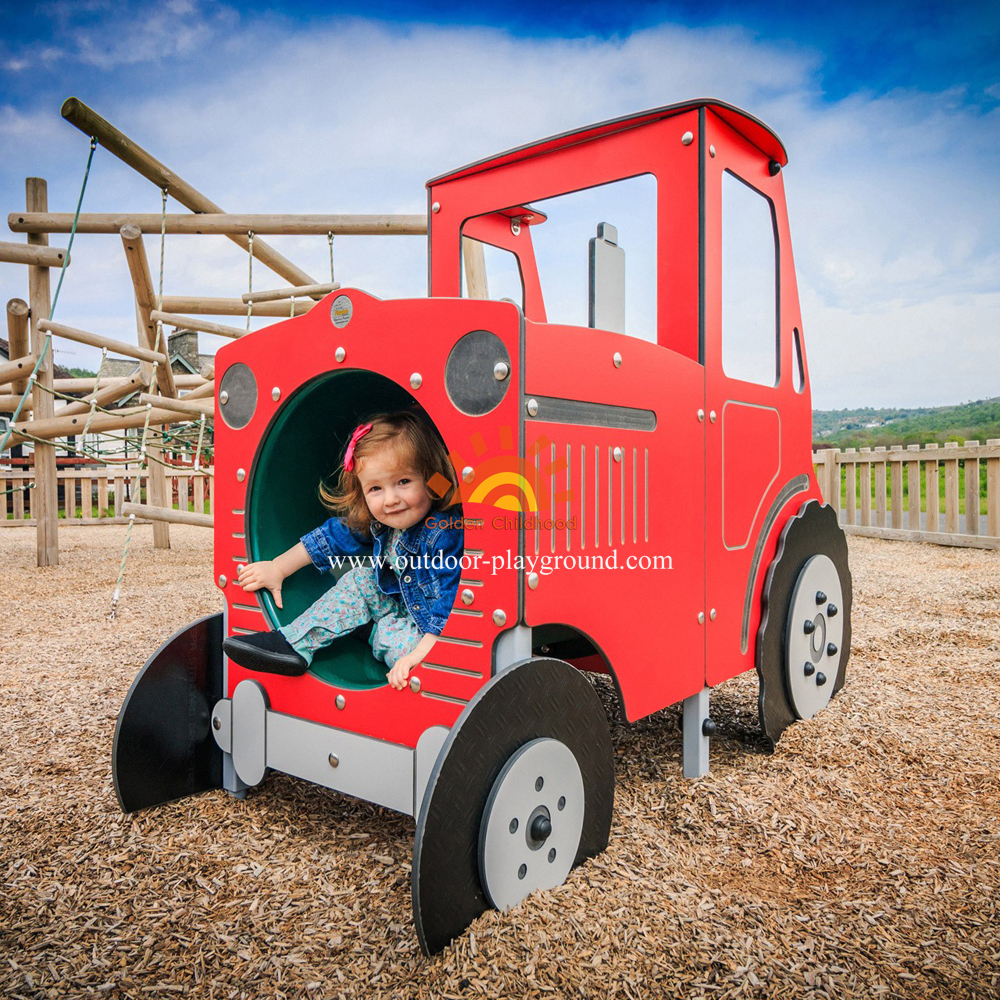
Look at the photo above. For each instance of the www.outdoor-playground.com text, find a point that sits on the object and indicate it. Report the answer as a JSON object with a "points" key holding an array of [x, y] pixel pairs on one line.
{"points": [[500, 562]]}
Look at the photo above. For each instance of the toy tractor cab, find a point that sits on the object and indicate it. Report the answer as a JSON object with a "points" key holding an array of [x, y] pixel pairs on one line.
{"points": [[637, 488]]}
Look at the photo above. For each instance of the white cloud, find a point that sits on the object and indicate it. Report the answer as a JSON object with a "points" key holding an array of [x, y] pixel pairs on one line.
{"points": [[892, 198]]}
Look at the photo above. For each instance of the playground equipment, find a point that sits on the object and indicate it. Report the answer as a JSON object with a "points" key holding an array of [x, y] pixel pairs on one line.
{"points": [[652, 451]]}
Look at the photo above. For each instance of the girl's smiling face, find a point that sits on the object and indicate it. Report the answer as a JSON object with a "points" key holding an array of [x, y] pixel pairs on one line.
{"points": [[395, 492]]}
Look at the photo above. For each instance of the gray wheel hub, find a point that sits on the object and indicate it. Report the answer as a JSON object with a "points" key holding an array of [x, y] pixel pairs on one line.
{"points": [[532, 823], [814, 637]]}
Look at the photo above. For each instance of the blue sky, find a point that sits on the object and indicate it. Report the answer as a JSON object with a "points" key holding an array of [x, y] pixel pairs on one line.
{"points": [[889, 114]]}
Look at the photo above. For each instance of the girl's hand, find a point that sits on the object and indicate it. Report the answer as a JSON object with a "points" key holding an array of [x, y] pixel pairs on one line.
{"points": [[400, 672], [262, 575]]}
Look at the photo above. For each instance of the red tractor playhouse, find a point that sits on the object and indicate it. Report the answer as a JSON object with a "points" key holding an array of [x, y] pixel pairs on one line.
{"points": [[578, 442]]}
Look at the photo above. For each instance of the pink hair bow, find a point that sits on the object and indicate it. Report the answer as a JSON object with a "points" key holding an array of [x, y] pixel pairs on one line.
{"points": [[359, 433]]}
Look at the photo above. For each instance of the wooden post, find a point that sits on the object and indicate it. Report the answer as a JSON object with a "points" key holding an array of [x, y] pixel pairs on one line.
{"points": [[896, 474], [46, 485], [18, 338], [474, 263], [92, 124], [880, 497], [951, 491], [972, 492], [866, 490], [851, 484], [933, 489], [993, 492], [21, 253], [913, 489]]}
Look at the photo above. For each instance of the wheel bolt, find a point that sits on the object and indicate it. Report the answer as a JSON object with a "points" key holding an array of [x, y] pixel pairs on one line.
{"points": [[541, 828], [809, 669], [809, 627], [820, 597], [709, 727], [831, 610], [820, 679], [831, 649]]}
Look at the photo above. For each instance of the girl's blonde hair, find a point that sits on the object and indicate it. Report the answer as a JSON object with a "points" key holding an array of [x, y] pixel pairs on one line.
{"points": [[414, 443]]}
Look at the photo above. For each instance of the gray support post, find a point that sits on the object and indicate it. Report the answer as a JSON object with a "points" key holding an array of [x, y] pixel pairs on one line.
{"points": [[512, 646], [695, 736]]}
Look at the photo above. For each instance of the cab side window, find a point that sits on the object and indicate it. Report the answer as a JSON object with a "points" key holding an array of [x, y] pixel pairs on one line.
{"points": [[749, 284]]}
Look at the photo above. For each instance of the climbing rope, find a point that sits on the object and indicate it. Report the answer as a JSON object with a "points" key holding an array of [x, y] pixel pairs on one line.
{"points": [[249, 275], [201, 438], [97, 389], [329, 239]]}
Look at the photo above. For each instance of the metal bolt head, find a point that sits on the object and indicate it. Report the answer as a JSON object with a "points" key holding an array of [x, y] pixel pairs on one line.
{"points": [[711, 416], [701, 416], [709, 727], [241, 474], [808, 626], [216, 723], [467, 597], [222, 581], [340, 354], [808, 668], [687, 138], [499, 617], [436, 207], [515, 227], [820, 597], [276, 394], [532, 407], [831, 610], [340, 702], [468, 474], [711, 151], [701, 617], [711, 614], [416, 380], [820, 679], [501, 370], [831, 649], [334, 760], [414, 684], [617, 454], [617, 359], [223, 397], [533, 581]]}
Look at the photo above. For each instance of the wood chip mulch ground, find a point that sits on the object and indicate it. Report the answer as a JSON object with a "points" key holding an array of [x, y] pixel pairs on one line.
{"points": [[862, 859]]}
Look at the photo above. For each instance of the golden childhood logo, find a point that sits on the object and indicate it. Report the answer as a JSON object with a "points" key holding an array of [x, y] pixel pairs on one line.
{"points": [[507, 481]]}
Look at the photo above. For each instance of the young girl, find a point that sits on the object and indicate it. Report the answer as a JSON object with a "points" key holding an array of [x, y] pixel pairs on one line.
{"points": [[410, 586]]}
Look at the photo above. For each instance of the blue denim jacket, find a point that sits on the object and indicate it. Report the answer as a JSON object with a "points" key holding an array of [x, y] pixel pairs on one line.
{"points": [[428, 586]]}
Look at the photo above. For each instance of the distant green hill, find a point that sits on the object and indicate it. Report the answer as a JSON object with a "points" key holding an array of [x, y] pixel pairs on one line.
{"points": [[868, 427]]}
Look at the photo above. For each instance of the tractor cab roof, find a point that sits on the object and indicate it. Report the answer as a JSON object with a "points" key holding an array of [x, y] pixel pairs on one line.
{"points": [[754, 130]]}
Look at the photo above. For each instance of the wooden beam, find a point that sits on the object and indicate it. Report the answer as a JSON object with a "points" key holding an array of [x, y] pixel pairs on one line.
{"points": [[18, 338], [276, 294], [937, 537], [89, 384], [89, 122], [46, 493], [56, 427], [204, 305], [21, 253], [205, 391], [222, 224], [109, 394], [142, 510], [145, 299], [8, 404], [202, 325], [17, 366], [98, 340], [195, 408]]}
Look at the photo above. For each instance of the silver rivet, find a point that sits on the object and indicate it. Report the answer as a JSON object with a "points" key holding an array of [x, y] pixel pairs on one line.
{"points": [[711, 416], [618, 454], [701, 415], [414, 684], [222, 581], [240, 475], [500, 371], [436, 207], [223, 397], [499, 617], [711, 150], [416, 380], [467, 596], [216, 723], [533, 581], [532, 407], [468, 473], [701, 617], [276, 394], [334, 760], [515, 227], [340, 354], [617, 359], [711, 614], [687, 138], [340, 702]]}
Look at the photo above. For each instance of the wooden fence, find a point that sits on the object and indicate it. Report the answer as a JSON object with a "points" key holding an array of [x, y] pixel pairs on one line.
{"points": [[96, 495], [948, 495]]}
